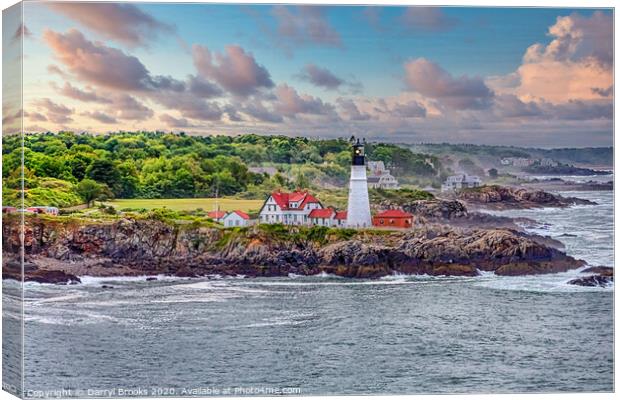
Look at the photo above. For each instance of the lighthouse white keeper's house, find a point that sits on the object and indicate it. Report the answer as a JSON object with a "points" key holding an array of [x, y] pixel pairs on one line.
{"points": [[358, 213]]}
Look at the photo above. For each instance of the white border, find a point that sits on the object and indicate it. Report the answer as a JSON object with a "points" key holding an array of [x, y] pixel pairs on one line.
{"points": [[479, 3]]}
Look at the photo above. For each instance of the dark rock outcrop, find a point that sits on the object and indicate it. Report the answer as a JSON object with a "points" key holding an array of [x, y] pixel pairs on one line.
{"points": [[43, 276], [500, 197], [592, 281]]}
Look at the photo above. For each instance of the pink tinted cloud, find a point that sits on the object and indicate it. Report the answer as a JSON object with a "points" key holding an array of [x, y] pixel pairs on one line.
{"points": [[290, 103], [100, 116], [57, 113], [174, 122], [127, 107], [576, 65], [34, 116], [350, 110], [321, 77], [96, 63], [234, 69], [122, 22], [21, 32], [430, 80], [73, 92]]}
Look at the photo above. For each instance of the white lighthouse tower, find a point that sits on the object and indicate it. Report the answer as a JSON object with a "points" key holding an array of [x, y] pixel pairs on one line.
{"points": [[358, 213]]}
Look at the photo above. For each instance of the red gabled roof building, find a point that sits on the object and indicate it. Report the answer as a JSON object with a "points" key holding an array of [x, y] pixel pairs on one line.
{"points": [[236, 218], [216, 215], [289, 208], [322, 216], [242, 214]]}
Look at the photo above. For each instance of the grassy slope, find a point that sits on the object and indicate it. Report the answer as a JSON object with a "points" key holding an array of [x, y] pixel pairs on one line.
{"points": [[207, 204]]}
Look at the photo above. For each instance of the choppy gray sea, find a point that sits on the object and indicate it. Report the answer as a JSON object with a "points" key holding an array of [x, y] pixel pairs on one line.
{"points": [[328, 335]]}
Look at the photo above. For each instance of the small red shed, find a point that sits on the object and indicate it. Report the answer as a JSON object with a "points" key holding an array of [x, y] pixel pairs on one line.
{"points": [[393, 219]]}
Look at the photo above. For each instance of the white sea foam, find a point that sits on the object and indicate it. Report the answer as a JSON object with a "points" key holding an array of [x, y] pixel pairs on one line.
{"points": [[540, 283]]}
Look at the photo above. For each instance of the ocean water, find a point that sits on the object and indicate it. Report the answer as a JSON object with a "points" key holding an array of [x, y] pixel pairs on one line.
{"points": [[330, 335]]}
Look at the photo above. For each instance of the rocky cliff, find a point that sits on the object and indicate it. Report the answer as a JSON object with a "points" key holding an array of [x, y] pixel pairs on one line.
{"points": [[149, 247]]}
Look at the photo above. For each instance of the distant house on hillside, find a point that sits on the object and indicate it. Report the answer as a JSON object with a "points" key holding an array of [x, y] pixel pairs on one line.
{"points": [[517, 161], [528, 162], [236, 218], [457, 182], [393, 219], [43, 210], [288, 208], [548, 162], [379, 177]]}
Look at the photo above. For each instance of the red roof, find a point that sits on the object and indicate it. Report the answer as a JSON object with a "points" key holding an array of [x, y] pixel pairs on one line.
{"points": [[394, 214], [283, 199], [216, 214], [321, 213], [242, 214], [341, 215]]}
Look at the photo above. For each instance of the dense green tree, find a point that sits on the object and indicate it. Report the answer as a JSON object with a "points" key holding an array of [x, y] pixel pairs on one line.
{"points": [[89, 190], [105, 171]]}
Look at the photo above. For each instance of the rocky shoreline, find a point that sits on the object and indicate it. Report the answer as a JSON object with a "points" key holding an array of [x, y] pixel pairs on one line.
{"points": [[61, 250]]}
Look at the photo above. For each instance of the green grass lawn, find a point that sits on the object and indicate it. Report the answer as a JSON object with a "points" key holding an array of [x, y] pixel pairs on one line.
{"points": [[207, 204]]}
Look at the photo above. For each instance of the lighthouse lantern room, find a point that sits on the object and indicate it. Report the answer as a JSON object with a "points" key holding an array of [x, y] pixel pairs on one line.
{"points": [[358, 213]]}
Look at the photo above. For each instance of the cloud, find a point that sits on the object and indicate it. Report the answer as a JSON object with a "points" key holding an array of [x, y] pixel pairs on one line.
{"points": [[431, 19], [461, 93], [577, 37], [510, 106], [302, 26], [21, 32], [121, 22], [100, 116], [96, 63], [289, 103], [257, 110], [234, 70], [56, 113], [412, 109], [34, 116], [580, 110], [350, 110], [54, 69], [608, 92], [11, 117], [321, 77], [575, 65], [189, 105], [126, 107], [232, 113], [79, 94], [174, 122], [203, 88]]}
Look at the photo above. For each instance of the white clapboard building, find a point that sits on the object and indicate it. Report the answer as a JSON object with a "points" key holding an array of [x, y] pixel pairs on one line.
{"points": [[289, 208]]}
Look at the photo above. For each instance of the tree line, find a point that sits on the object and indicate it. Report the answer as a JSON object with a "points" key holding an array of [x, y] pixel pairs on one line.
{"points": [[67, 167]]}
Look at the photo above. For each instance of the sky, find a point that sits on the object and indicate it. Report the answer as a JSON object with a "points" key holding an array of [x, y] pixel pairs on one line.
{"points": [[515, 76]]}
